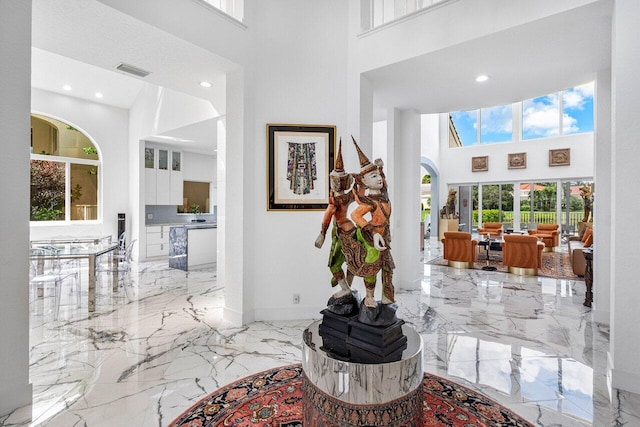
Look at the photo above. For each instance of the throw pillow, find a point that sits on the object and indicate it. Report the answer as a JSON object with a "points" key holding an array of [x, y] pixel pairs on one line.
{"points": [[589, 241], [583, 228]]}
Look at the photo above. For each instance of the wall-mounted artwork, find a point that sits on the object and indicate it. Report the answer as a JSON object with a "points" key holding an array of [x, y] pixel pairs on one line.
{"points": [[480, 164], [299, 159], [517, 161], [560, 157]]}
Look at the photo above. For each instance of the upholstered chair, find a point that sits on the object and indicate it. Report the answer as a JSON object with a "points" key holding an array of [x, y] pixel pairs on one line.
{"points": [[522, 254], [460, 249], [550, 234], [494, 229], [576, 245]]}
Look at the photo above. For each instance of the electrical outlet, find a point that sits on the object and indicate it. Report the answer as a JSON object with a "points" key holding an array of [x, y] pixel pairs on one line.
{"points": [[296, 298]]}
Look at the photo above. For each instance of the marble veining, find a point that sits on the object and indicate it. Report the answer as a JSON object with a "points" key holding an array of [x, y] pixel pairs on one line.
{"points": [[160, 344]]}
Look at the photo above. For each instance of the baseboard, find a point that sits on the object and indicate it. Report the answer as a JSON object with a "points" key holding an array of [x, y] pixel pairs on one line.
{"points": [[601, 316], [233, 316], [14, 396], [289, 313], [624, 380]]}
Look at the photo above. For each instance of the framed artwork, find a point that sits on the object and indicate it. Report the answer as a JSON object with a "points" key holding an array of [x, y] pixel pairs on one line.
{"points": [[480, 164], [560, 157], [517, 161], [299, 160]]}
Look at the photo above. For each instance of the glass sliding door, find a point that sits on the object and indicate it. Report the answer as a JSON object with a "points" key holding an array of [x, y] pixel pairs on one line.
{"points": [[506, 205], [544, 203]]}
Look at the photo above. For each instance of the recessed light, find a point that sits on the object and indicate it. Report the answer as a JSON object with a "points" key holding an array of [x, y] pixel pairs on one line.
{"points": [[99, 95], [67, 87], [482, 78], [205, 84]]}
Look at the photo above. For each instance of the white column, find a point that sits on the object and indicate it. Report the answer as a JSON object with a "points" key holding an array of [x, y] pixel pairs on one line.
{"points": [[15, 105], [516, 205], [403, 130], [625, 294], [480, 221], [235, 207], [602, 200], [559, 202]]}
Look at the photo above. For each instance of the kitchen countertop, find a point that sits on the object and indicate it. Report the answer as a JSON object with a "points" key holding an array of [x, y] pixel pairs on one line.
{"points": [[196, 225], [180, 224]]}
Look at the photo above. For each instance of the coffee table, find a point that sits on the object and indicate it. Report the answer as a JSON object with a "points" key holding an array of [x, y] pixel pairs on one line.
{"points": [[490, 245]]}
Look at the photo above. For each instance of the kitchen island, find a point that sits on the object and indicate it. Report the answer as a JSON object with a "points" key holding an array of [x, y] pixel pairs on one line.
{"points": [[192, 245]]}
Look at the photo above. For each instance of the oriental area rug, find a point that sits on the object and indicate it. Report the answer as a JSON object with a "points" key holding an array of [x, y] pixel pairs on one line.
{"points": [[554, 264], [273, 398]]}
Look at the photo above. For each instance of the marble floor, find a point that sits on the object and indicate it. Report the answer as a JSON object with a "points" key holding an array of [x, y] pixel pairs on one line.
{"points": [[158, 346]]}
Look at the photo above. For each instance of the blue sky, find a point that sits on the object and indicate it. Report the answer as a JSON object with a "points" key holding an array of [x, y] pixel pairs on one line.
{"points": [[540, 117]]}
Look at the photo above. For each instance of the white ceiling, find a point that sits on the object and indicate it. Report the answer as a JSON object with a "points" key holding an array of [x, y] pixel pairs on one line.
{"points": [[531, 60], [80, 43], [523, 62], [51, 72]]}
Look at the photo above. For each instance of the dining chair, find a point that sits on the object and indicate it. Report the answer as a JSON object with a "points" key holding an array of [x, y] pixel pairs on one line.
{"points": [[125, 259], [46, 269]]}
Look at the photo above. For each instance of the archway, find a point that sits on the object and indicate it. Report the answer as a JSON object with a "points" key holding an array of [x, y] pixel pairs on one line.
{"points": [[432, 169]]}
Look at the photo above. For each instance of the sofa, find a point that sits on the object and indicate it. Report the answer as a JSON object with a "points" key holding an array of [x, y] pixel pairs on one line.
{"points": [[576, 244], [550, 235], [522, 254], [492, 228], [459, 249]]}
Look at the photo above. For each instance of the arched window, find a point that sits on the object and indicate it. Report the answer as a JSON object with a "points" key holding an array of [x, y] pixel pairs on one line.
{"points": [[64, 172]]}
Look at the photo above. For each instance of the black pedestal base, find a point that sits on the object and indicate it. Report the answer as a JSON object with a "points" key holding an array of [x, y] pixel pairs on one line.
{"points": [[346, 338]]}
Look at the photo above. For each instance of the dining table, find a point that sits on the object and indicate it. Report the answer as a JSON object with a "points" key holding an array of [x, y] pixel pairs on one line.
{"points": [[85, 248]]}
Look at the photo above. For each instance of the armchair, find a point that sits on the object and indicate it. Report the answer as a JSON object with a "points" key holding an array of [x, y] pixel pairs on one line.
{"points": [[492, 228], [522, 254], [576, 245], [459, 249], [550, 235]]}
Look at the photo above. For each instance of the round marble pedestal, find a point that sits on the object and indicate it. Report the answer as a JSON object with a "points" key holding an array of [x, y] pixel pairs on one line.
{"points": [[339, 393]]}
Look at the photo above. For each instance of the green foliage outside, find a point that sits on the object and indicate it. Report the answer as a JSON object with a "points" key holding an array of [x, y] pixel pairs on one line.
{"points": [[544, 217], [47, 190], [425, 214], [426, 179]]}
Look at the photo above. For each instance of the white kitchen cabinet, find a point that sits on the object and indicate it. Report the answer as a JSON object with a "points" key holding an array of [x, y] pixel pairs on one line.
{"points": [[157, 241], [163, 176], [176, 186], [202, 247]]}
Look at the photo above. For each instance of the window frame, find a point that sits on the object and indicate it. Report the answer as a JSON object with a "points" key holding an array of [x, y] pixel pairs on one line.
{"points": [[67, 185]]}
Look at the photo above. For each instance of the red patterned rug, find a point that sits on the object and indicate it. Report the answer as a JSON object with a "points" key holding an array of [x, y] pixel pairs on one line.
{"points": [[273, 398], [554, 264]]}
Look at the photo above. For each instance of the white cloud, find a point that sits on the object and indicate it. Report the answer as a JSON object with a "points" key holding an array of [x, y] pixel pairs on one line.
{"points": [[541, 120], [496, 119], [578, 96], [569, 124]]}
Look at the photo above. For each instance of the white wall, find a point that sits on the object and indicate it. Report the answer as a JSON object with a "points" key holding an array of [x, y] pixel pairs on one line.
{"points": [[455, 163], [298, 75], [625, 295], [107, 126], [441, 27], [15, 72]]}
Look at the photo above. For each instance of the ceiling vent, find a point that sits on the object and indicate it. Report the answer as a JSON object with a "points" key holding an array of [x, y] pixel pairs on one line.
{"points": [[130, 69]]}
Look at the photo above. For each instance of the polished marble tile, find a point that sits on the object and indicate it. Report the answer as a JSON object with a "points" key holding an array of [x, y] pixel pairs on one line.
{"points": [[160, 344]]}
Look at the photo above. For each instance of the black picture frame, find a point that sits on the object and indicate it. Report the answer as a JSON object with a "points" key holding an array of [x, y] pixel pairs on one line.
{"points": [[299, 160]]}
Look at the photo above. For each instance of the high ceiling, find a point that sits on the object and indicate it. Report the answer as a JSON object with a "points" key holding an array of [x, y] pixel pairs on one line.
{"points": [[531, 60], [80, 42]]}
